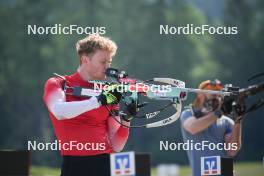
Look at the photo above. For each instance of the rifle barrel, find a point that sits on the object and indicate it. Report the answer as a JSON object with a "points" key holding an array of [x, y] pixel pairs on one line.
{"points": [[251, 90], [208, 91]]}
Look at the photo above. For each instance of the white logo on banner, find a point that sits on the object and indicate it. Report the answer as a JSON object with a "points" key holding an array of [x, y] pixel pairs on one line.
{"points": [[122, 164], [211, 165]]}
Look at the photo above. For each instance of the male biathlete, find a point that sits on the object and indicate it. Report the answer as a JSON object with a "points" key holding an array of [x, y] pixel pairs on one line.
{"points": [[86, 132]]}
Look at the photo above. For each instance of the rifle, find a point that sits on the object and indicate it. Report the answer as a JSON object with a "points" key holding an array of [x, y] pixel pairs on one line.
{"points": [[176, 94], [234, 105], [173, 90]]}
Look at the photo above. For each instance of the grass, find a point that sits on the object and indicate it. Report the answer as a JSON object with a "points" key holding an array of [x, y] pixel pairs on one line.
{"points": [[44, 171], [242, 169]]}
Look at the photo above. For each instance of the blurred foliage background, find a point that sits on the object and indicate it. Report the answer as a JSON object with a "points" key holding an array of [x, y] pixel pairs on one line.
{"points": [[27, 61]]}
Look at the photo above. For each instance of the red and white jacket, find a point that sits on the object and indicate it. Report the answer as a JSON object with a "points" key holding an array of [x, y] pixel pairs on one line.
{"points": [[82, 120]]}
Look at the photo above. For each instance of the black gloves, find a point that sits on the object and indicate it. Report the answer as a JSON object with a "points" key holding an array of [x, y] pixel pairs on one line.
{"points": [[234, 108], [131, 110], [212, 104]]}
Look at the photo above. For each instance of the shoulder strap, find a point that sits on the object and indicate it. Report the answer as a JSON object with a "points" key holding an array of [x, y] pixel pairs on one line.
{"points": [[64, 85]]}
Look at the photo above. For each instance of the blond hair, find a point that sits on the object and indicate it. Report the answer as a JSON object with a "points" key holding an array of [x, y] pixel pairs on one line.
{"points": [[94, 42]]}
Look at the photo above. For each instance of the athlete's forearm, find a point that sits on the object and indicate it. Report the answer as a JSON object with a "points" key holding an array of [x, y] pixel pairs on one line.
{"points": [[236, 134], [235, 138], [195, 125], [69, 110], [118, 134], [119, 140]]}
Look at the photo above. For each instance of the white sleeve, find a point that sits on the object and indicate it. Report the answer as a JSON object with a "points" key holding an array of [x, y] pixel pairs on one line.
{"points": [[55, 99], [68, 110]]}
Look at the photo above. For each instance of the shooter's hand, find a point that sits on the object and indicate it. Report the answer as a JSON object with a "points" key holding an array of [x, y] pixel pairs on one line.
{"points": [[131, 111], [111, 96]]}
